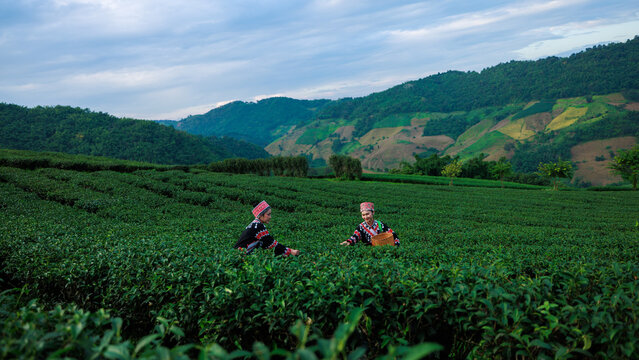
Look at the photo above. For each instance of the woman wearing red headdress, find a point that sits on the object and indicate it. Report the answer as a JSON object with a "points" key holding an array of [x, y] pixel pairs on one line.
{"points": [[256, 236], [369, 228]]}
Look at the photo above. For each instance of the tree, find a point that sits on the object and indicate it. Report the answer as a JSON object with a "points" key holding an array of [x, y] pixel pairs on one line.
{"points": [[626, 164], [301, 170], [476, 167], [452, 170], [431, 165], [336, 162], [501, 169], [354, 168], [345, 167], [555, 171]]}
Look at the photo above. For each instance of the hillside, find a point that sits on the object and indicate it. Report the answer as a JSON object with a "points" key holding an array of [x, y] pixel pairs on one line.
{"points": [[599, 70], [81, 131], [526, 134], [527, 111], [259, 123]]}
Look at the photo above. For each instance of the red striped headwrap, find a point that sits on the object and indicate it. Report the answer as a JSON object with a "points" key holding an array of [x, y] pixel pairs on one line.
{"points": [[260, 209]]}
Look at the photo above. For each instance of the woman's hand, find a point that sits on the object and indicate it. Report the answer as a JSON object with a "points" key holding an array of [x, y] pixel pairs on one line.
{"points": [[345, 243], [295, 252]]}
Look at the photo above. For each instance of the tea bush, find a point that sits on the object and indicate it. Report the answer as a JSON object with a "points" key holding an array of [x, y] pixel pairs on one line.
{"points": [[486, 272], [30, 331]]}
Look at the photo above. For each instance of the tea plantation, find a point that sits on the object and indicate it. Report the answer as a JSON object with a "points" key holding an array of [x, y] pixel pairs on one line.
{"points": [[484, 272]]}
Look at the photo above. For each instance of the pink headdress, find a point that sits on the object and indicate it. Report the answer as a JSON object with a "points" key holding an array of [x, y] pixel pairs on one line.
{"points": [[366, 206], [260, 209]]}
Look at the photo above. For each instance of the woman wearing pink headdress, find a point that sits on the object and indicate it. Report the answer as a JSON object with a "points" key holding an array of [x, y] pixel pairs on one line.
{"points": [[369, 228], [256, 236]]}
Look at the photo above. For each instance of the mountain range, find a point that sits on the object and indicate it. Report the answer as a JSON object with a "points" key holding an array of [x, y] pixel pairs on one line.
{"points": [[526, 111], [582, 108]]}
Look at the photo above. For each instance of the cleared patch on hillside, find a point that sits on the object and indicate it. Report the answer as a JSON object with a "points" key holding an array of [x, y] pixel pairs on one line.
{"points": [[317, 132], [395, 121], [345, 132], [536, 108], [376, 135], [386, 156], [419, 121], [517, 130], [287, 144], [566, 118], [538, 122], [471, 135], [632, 106], [394, 145], [492, 144], [615, 99], [562, 104], [592, 159], [500, 124]]}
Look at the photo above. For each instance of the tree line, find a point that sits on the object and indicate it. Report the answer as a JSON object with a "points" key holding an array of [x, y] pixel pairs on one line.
{"points": [[474, 168], [345, 167], [81, 131]]}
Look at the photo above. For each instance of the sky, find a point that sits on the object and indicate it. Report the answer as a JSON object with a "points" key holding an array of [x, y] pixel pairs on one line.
{"points": [[157, 59]]}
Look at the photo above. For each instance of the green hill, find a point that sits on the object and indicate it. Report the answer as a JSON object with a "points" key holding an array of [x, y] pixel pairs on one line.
{"points": [[81, 131], [599, 70], [527, 111], [259, 123]]}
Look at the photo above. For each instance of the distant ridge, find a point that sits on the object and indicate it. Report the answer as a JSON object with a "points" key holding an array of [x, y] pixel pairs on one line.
{"points": [[81, 131], [602, 69], [259, 123]]}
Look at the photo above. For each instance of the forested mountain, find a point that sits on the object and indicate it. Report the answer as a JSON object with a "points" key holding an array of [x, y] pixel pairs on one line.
{"points": [[81, 131], [602, 69], [259, 123], [581, 108]]}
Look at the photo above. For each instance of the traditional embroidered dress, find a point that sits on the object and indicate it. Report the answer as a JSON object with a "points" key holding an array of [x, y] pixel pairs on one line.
{"points": [[256, 236], [365, 233]]}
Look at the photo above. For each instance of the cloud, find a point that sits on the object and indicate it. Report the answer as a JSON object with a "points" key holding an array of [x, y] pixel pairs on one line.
{"points": [[574, 36], [472, 21], [158, 59], [182, 113]]}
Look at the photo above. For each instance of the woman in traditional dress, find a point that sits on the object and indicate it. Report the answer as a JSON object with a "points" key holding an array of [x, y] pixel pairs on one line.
{"points": [[256, 236], [369, 228]]}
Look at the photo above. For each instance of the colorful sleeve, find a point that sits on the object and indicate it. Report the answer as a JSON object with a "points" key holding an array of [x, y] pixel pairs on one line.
{"points": [[268, 242], [357, 235]]}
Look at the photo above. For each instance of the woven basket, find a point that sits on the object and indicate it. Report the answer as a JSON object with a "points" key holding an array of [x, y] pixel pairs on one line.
{"points": [[383, 239]]}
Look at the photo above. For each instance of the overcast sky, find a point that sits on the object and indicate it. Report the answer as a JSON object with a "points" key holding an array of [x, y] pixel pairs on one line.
{"points": [[156, 59]]}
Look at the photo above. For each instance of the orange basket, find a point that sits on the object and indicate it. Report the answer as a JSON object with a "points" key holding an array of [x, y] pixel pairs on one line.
{"points": [[383, 239]]}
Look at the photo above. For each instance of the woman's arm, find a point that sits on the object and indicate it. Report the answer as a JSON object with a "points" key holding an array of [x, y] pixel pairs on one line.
{"points": [[357, 236]]}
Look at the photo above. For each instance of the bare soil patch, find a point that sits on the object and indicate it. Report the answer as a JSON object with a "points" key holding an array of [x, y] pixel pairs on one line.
{"points": [[632, 106], [592, 159], [345, 132], [615, 99], [538, 122], [286, 146], [418, 121], [500, 124]]}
